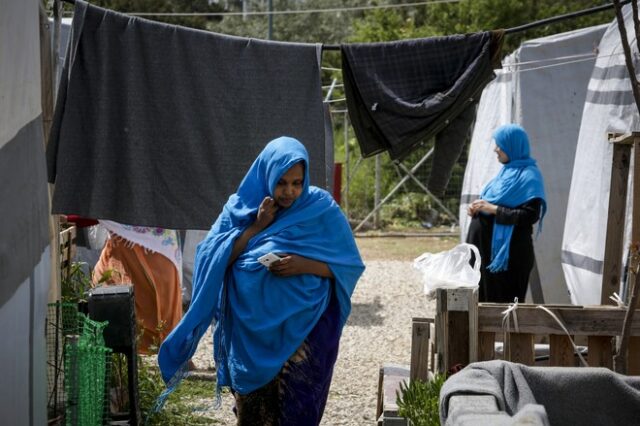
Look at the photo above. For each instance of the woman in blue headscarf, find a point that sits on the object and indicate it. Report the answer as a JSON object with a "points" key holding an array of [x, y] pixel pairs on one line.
{"points": [[277, 327], [503, 218]]}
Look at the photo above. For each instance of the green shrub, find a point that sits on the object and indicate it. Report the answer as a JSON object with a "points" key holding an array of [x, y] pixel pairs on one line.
{"points": [[418, 401]]}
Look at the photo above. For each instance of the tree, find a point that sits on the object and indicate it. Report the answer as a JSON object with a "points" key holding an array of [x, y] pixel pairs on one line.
{"points": [[167, 6]]}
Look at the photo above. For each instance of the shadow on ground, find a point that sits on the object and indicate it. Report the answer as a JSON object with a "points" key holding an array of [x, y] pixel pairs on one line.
{"points": [[366, 314]]}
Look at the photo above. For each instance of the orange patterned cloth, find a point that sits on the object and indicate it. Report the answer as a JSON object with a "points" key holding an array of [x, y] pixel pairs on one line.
{"points": [[156, 283]]}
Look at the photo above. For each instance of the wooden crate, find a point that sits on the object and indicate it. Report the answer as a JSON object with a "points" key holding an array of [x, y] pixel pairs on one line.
{"points": [[458, 331]]}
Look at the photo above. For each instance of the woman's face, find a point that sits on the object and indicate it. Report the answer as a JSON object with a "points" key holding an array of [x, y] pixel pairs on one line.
{"points": [[289, 187], [502, 156]]}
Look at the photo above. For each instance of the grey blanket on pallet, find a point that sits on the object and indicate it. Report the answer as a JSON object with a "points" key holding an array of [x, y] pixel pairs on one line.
{"points": [[400, 94], [570, 395], [157, 124]]}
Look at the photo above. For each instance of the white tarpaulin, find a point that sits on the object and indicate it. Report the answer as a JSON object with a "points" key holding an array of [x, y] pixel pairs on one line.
{"points": [[609, 108], [24, 242], [542, 86]]}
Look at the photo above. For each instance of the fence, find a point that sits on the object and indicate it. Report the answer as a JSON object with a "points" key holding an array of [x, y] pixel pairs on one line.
{"points": [[467, 331]]}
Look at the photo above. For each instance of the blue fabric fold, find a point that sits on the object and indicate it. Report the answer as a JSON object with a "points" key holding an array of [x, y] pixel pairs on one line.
{"points": [[261, 319], [518, 182]]}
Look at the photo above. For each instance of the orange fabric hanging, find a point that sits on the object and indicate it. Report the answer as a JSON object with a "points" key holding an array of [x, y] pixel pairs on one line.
{"points": [[156, 282]]}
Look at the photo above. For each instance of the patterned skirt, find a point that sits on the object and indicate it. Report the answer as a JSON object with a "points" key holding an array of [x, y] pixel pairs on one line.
{"points": [[298, 394]]}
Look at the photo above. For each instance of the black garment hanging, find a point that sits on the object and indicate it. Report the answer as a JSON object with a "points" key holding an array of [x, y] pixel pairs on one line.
{"points": [[402, 93], [156, 124]]}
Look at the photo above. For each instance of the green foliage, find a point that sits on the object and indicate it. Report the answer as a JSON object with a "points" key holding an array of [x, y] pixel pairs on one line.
{"points": [[406, 209], [76, 283], [167, 6], [181, 408], [469, 16], [418, 401]]}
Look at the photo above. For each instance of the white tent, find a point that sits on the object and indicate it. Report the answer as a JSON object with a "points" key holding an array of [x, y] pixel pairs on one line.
{"points": [[542, 86], [609, 107], [24, 242]]}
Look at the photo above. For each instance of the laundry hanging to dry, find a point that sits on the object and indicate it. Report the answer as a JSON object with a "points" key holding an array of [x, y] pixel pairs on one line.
{"points": [[402, 93], [157, 124]]}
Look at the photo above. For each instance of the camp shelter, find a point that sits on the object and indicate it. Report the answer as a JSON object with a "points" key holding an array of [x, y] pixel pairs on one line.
{"points": [[24, 245], [609, 107], [542, 86]]}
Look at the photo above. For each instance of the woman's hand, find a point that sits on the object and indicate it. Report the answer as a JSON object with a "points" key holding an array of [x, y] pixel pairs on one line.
{"points": [[482, 206], [293, 264], [266, 213]]}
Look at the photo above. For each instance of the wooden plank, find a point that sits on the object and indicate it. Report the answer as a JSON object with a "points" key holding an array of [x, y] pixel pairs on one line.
{"points": [[432, 347], [623, 138], [441, 330], [486, 346], [634, 342], [611, 269], [379, 407], [419, 367], [47, 77], [561, 353], [634, 354], [519, 348], [473, 324], [600, 351], [587, 321], [457, 339]]}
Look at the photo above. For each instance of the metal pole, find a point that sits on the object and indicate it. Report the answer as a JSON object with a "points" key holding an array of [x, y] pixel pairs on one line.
{"points": [[393, 191], [346, 164], [376, 194], [426, 190], [270, 33]]}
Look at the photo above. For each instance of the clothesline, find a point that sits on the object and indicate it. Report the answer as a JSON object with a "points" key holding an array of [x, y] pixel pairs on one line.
{"points": [[289, 12], [566, 60], [512, 30], [534, 24]]}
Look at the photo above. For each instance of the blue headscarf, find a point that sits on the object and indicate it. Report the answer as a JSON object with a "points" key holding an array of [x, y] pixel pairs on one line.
{"points": [[262, 319], [518, 182]]}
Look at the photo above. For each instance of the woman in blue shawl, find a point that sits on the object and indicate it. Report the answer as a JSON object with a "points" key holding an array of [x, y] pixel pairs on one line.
{"points": [[503, 219], [277, 328]]}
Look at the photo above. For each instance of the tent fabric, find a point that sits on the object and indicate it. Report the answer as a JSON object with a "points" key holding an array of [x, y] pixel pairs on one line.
{"points": [[24, 246], [24, 207], [156, 124], [20, 82], [598, 396], [544, 91], [403, 92], [609, 107]]}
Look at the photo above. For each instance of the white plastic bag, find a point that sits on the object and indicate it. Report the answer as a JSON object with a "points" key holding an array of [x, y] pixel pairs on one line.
{"points": [[449, 269]]}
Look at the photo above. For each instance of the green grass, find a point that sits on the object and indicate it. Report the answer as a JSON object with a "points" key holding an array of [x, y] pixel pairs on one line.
{"points": [[402, 248]]}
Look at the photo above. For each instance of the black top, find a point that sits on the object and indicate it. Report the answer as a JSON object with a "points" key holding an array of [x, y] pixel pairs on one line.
{"points": [[504, 286]]}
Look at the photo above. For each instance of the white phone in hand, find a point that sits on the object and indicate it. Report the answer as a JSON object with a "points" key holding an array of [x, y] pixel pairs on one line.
{"points": [[268, 259]]}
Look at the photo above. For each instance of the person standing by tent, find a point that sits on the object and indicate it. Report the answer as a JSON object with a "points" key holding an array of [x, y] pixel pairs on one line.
{"points": [[278, 327], [150, 259], [503, 219]]}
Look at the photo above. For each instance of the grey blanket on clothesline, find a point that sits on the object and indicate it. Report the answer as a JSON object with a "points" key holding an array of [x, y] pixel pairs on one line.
{"points": [[157, 124], [400, 94], [570, 395]]}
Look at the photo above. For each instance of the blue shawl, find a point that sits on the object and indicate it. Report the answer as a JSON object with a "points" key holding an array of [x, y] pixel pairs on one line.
{"points": [[262, 318], [518, 182]]}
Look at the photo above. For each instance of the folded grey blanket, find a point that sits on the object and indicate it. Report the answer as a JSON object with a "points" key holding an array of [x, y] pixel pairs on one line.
{"points": [[157, 124], [570, 395]]}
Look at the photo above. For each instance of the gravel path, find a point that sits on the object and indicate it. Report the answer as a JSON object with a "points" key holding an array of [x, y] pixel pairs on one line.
{"points": [[388, 295]]}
